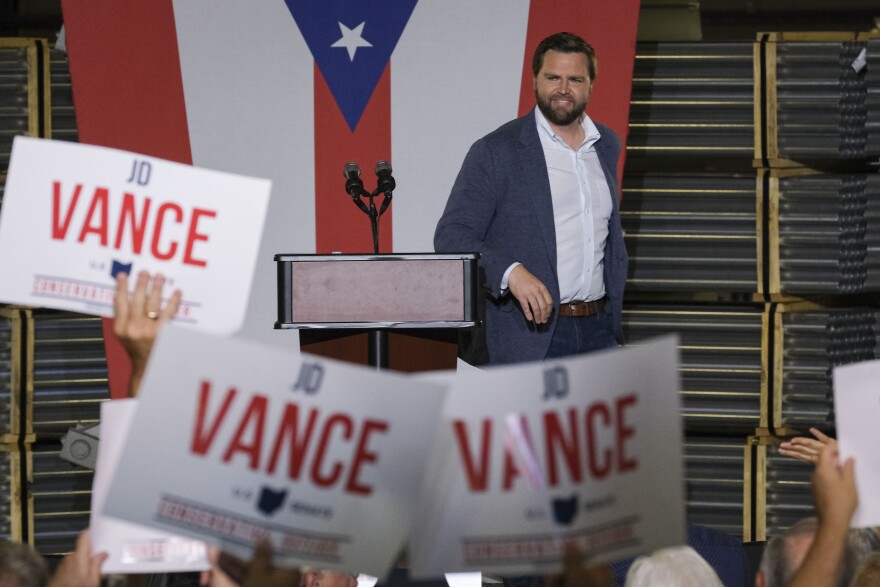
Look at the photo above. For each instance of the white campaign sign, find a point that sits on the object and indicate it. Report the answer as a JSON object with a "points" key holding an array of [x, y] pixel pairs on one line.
{"points": [[857, 411], [530, 457], [74, 215], [234, 442], [132, 548]]}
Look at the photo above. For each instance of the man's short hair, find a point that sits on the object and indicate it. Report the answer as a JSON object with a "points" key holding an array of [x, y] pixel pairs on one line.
{"points": [[679, 565], [776, 562], [565, 43], [20, 565], [868, 573]]}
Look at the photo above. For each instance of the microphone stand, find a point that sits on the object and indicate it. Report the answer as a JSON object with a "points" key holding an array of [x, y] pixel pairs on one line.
{"points": [[372, 211], [377, 339]]}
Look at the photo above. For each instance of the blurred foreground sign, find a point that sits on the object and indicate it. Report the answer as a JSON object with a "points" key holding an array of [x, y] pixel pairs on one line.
{"points": [[528, 458], [73, 216], [132, 548], [235, 442], [857, 410]]}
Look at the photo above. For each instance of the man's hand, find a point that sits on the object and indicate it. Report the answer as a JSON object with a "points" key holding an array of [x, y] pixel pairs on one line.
{"points": [[257, 573], [576, 574], [834, 488], [137, 319], [806, 449], [532, 295], [80, 568], [835, 496]]}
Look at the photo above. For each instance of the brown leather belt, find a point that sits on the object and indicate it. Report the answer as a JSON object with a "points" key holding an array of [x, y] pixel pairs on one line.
{"points": [[582, 309]]}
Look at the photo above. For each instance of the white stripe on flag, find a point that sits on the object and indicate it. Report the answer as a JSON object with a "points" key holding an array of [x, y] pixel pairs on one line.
{"points": [[248, 84], [455, 76]]}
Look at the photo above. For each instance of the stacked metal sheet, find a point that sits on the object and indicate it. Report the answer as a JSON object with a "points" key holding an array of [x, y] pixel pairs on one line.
{"points": [[70, 382], [872, 99], [68, 365], [13, 429], [714, 483], [63, 116], [700, 224], [821, 108], [70, 372], [692, 100], [10, 497], [720, 361], [6, 376], [788, 497], [814, 342], [690, 232], [14, 98], [8, 452], [829, 234], [61, 496]]}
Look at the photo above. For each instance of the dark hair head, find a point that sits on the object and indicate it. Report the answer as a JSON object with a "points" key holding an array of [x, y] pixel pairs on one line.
{"points": [[21, 565], [565, 43]]}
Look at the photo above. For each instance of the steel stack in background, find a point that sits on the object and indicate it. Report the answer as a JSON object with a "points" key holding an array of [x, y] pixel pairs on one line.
{"points": [[811, 98], [750, 208], [53, 373], [692, 104]]}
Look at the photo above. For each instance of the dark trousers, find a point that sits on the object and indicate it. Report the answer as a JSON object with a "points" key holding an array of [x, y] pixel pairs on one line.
{"points": [[579, 335]]}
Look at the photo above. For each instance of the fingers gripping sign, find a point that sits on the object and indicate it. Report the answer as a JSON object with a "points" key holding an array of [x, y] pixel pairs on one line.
{"points": [[532, 295], [137, 318], [834, 486], [80, 568], [806, 449]]}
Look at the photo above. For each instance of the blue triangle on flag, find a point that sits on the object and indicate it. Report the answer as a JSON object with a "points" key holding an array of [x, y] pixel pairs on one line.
{"points": [[351, 41]]}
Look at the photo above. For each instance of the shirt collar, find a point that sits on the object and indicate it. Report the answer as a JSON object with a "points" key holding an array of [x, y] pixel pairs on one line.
{"points": [[591, 131]]}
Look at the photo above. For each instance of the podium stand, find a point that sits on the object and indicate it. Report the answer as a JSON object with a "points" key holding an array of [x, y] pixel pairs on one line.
{"points": [[377, 293]]}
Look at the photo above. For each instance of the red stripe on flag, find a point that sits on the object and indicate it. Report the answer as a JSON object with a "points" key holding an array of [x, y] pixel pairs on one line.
{"points": [[610, 27], [125, 70], [339, 224], [128, 92]]}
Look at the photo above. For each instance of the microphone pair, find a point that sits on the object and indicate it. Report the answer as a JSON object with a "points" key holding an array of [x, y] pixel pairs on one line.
{"points": [[355, 186]]}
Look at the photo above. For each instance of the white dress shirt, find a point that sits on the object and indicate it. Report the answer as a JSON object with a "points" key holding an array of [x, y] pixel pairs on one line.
{"points": [[581, 211]]}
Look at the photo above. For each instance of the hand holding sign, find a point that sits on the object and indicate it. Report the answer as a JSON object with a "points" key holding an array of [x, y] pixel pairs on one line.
{"points": [[322, 459], [230, 571], [74, 216], [138, 318], [531, 458], [834, 488], [576, 574], [80, 568], [806, 449]]}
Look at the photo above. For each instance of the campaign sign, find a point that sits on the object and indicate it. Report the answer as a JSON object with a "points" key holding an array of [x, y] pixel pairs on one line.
{"points": [[73, 216], [584, 450], [857, 411], [234, 442], [132, 548]]}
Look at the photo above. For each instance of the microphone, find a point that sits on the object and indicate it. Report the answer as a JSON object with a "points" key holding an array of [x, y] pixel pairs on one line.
{"points": [[353, 184], [384, 182]]}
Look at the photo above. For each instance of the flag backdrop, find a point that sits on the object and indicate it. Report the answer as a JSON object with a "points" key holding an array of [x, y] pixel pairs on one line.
{"points": [[291, 90]]}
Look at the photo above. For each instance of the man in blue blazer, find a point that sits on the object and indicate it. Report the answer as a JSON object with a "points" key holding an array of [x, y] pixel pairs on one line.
{"points": [[538, 199]]}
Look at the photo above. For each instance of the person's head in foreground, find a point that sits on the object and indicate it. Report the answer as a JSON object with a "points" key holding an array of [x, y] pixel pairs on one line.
{"points": [[321, 578], [21, 566], [679, 566]]}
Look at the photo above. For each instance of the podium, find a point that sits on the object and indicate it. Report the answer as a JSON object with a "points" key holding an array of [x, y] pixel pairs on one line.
{"points": [[377, 293]]}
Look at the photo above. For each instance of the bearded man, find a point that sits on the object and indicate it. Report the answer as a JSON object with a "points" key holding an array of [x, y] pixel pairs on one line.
{"points": [[538, 199]]}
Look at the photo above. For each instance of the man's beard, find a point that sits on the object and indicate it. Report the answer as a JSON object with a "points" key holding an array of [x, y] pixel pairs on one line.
{"points": [[559, 117]]}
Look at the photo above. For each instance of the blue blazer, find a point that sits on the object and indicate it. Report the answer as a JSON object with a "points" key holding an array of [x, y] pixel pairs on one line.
{"points": [[500, 206]]}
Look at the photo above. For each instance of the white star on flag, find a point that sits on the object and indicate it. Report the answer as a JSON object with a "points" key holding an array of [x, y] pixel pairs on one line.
{"points": [[351, 39]]}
